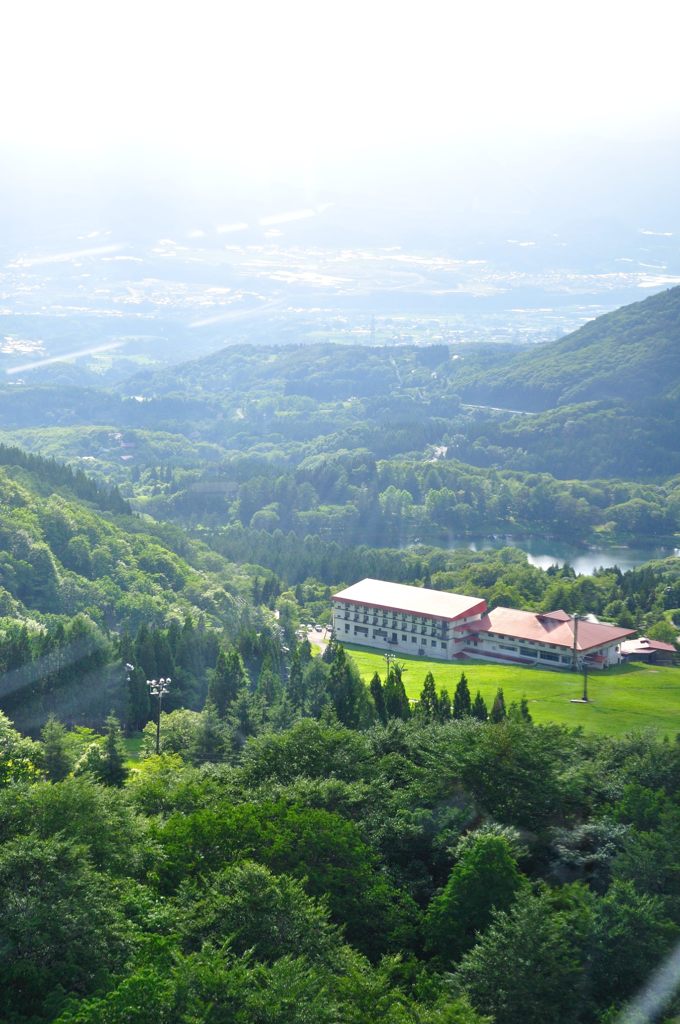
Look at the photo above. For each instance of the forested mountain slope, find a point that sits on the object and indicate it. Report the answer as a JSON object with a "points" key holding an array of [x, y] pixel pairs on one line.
{"points": [[632, 354], [75, 578], [324, 372]]}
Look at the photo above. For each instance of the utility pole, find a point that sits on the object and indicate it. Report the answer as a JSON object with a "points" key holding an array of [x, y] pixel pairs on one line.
{"points": [[574, 659], [158, 688], [579, 664]]}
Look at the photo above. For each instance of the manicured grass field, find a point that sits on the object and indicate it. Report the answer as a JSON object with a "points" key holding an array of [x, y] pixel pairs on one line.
{"points": [[624, 698]]}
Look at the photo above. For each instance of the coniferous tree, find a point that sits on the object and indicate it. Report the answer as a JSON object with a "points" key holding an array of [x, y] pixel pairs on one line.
{"points": [[282, 714], [347, 690], [227, 679], [305, 649], [208, 744], [520, 712], [428, 705], [268, 684], [145, 653], [138, 708], [245, 718], [56, 759], [396, 702], [479, 708], [462, 704], [188, 656], [111, 769], [315, 681], [164, 657], [498, 711], [330, 651], [296, 688], [444, 706], [378, 695], [524, 712]]}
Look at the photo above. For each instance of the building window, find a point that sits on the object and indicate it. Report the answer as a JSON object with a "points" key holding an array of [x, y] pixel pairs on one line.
{"points": [[548, 656], [443, 647], [403, 636], [527, 652], [434, 643], [414, 639]]}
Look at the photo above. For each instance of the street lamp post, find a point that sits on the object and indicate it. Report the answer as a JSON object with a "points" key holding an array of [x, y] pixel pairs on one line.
{"points": [[158, 688]]}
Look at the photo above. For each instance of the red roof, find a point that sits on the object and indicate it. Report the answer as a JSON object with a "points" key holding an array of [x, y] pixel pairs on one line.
{"points": [[399, 597], [559, 616], [551, 628], [642, 645]]}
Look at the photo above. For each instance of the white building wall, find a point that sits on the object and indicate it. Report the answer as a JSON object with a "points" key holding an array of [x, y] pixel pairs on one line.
{"points": [[401, 632], [493, 647], [408, 633]]}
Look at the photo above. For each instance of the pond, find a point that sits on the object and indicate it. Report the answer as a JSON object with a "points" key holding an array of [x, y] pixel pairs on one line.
{"points": [[544, 553]]}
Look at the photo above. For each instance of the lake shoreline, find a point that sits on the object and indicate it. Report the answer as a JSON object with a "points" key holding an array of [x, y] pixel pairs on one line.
{"points": [[584, 558]]}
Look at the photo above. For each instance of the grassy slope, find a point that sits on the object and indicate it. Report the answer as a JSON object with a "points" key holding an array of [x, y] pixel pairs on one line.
{"points": [[625, 698]]}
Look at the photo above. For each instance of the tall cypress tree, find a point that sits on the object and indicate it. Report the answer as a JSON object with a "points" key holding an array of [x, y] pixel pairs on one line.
{"points": [[444, 706], [428, 705], [344, 689], [479, 708], [378, 695], [498, 710], [462, 704], [396, 701]]}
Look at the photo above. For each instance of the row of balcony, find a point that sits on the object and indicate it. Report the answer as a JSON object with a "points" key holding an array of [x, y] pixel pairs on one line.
{"points": [[397, 627]]}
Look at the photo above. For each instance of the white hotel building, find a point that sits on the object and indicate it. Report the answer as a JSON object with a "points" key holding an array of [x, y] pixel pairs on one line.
{"points": [[436, 624]]}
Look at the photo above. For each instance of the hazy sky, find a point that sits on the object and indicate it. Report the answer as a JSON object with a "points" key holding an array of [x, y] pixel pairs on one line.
{"points": [[285, 87], [422, 124]]}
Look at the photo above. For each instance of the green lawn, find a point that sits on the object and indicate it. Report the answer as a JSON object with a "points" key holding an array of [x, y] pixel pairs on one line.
{"points": [[133, 746], [627, 697]]}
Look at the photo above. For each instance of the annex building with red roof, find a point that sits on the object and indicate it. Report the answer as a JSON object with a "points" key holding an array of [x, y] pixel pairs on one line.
{"points": [[417, 620], [653, 651]]}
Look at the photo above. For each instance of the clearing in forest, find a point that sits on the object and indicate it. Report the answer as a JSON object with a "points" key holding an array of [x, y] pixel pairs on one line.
{"points": [[625, 698]]}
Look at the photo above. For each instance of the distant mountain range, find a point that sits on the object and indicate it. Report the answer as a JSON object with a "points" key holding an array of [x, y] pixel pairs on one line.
{"points": [[602, 402]]}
